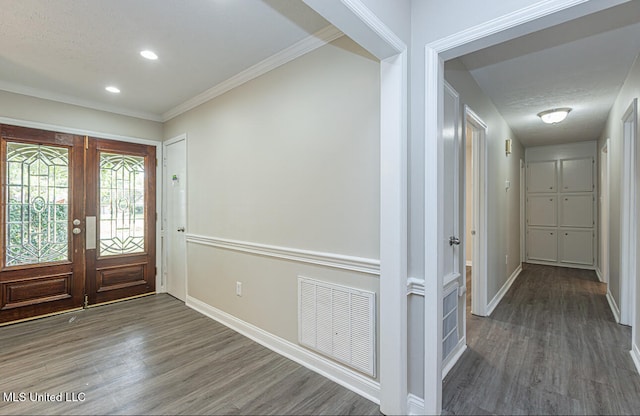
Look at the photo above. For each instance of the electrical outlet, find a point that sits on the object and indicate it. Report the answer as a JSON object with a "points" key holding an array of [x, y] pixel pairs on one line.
{"points": [[238, 288]]}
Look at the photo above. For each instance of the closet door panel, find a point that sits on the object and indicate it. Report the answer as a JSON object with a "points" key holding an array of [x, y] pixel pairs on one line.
{"points": [[542, 210], [576, 175], [541, 176], [576, 247], [576, 211], [542, 244]]}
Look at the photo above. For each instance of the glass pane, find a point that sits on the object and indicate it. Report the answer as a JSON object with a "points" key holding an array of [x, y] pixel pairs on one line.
{"points": [[37, 212], [121, 204]]}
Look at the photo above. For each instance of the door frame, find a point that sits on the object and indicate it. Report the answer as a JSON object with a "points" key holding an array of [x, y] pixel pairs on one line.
{"points": [[128, 139], [479, 251], [166, 183], [628, 230], [520, 22], [523, 213], [605, 170]]}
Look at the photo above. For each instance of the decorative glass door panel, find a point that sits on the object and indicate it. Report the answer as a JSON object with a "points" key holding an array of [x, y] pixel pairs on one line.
{"points": [[122, 196], [121, 199], [37, 204], [42, 177]]}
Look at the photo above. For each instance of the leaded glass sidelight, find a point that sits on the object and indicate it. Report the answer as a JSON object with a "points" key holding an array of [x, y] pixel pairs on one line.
{"points": [[37, 204], [121, 208]]}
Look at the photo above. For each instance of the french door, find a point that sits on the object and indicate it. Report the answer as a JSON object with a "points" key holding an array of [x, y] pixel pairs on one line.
{"points": [[77, 221]]}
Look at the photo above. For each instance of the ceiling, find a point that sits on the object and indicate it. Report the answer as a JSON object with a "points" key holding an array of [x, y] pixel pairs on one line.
{"points": [[579, 64], [70, 50]]}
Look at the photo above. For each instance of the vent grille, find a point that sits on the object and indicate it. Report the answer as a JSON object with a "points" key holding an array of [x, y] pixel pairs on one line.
{"points": [[339, 322], [450, 321]]}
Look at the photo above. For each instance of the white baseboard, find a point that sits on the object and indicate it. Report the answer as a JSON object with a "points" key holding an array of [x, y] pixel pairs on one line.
{"points": [[354, 381], [599, 274], [415, 405], [455, 356], [635, 355], [557, 264], [614, 307], [503, 290]]}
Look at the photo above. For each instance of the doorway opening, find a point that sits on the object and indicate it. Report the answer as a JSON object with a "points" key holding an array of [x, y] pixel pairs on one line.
{"points": [[475, 211]]}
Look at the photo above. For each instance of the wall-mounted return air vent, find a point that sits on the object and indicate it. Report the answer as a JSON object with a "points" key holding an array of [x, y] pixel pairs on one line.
{"points": [[339, 322]]}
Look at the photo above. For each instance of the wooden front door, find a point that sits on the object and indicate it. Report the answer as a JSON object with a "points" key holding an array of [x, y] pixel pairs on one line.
{"points": [[121, 218], [42, 263], [77, 221]]}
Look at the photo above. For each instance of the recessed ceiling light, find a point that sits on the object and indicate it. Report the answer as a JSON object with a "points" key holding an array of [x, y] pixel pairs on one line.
{"points": [[149, 55], [113, 89], [555, 115]]}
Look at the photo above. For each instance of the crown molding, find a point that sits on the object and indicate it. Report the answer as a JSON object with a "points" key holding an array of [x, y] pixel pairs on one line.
{"points": [[67, 99], [315, 41], [503, 23]]}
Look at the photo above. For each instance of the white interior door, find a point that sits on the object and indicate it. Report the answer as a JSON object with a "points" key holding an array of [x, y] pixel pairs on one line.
{"points": [[451, 237], [451, 216], [175, 224]]}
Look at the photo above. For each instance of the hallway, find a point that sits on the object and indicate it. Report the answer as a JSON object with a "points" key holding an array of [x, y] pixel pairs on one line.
{"points": [[551, 347]]}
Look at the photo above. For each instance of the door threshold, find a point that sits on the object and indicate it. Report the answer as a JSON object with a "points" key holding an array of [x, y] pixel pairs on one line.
{"points": [[46, 315], [120, 300]]}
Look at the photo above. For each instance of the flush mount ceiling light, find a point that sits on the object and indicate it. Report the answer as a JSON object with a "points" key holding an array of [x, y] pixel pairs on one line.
{"points": [[555, 115], [149, 55], [112, 89]]}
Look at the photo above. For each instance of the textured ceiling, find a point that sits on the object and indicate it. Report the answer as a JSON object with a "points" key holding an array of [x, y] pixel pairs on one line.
{"points": [[70, 50], [580, 64]]}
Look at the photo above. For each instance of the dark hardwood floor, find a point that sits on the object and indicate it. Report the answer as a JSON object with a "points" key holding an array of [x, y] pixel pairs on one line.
{"points": [[550, 347], [156, 356]]}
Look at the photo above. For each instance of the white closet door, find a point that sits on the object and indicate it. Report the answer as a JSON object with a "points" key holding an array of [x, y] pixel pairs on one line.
{"points": [[541, 176], [542, 210], [576, 247], [576, 175], [576, 211], [542, 244]]}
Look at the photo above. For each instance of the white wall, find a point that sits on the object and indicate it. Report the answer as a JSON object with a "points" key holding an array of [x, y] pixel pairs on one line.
{"points": [[630, 90], [289, 159], [503, 207], [22, 107]]}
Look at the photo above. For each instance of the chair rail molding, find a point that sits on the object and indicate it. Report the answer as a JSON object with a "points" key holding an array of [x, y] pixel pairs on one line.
{"points": [[336, 261]]}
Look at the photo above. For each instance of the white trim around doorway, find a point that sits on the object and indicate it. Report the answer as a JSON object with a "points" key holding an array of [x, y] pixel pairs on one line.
{"points": [[628, 230], [526, 20]]}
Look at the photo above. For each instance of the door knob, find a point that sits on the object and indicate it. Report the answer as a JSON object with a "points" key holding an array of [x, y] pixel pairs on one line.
{"points": [[181, 229], [76, 230], [454, 240]]}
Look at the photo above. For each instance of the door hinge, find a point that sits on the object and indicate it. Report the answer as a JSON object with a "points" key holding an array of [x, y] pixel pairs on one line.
{"points": [[86, 301]]}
